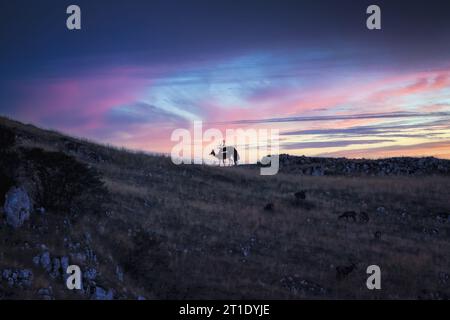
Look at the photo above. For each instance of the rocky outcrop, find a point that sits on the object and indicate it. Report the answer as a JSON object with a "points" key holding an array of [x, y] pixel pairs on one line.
{"points": [[17, 207], [316, 166]]}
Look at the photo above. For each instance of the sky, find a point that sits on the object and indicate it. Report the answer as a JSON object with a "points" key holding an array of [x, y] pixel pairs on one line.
{"points": [[138, 70]]}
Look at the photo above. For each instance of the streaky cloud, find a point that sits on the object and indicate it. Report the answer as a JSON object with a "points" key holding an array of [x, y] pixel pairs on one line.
{"points": [[376, 130], [341, 117], [330, 144]]}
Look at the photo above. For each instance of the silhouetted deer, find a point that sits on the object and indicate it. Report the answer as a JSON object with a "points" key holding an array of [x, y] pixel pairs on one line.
{"points": [[224, 153]]}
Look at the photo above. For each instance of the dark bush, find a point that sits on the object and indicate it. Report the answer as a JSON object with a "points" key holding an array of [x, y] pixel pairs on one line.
{"points": [[6, 182], [9, 161], [64, 184], [7, 138]]}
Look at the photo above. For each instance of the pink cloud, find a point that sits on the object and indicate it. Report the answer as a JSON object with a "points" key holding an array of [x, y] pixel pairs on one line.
{"points": [[79, 103]]}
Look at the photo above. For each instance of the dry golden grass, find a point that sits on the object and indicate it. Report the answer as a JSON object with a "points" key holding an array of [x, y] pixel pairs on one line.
{"points": [[207, 214], [210, 237]]}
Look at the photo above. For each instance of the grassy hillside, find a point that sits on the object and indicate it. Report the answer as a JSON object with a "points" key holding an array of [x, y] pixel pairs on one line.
{"points": [[156, 230]]}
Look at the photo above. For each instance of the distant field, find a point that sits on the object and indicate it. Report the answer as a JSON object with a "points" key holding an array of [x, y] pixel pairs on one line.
{"points": [[202, 232]]}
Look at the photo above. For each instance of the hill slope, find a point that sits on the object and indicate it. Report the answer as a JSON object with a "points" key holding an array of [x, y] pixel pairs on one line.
{"points": [[141, 227]]}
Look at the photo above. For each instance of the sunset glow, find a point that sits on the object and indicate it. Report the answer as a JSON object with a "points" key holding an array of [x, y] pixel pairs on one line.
{"points": [[336, 98]]}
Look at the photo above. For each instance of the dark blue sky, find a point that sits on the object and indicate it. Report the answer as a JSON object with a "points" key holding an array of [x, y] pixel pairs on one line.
{"points": [[33, 33]]}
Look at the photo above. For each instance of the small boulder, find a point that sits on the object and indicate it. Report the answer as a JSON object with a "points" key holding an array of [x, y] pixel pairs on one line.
{"points": [[17, 207], [46, 293], [56, 268], [102, 294], [64, 266], [119, 273], [36, 260], [90, 274], [45, 261]]}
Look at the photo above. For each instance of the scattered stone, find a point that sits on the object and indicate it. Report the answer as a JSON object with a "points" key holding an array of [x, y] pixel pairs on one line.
{"points": [[430, 295], [430, 231], [78, 257], [248, 246], [443, 217], [46, 293], [90, 274], [102, 294], [381, 210], [36, 260], [45, 261], [246, 250], [88, 237], [21, 278], [119, 273], [269, 207], [56, 268], [64, 266], [90, 255], [297, 285]]}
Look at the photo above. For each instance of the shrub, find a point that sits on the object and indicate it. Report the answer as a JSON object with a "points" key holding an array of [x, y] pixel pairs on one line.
{"points": [[7, 138], [64, 184], [6, 182], [9, 161]]}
